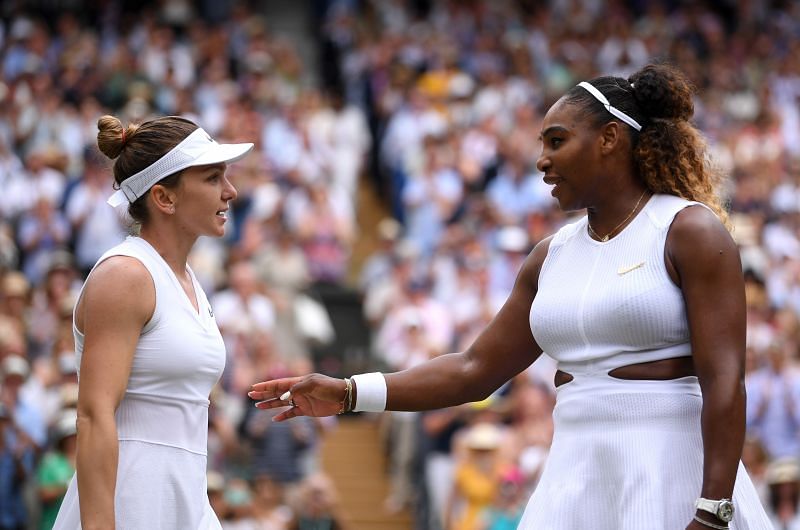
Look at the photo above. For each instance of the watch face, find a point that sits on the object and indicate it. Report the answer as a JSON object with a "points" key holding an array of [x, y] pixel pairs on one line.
{"points": [[725, 511]]}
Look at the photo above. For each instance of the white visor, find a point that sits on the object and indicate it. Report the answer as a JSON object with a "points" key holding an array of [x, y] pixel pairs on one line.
{"points": [[197, 149]]}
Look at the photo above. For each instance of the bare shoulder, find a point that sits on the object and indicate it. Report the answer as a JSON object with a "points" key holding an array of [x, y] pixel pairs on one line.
{"points": [[698, 231], [533, 263], [701, 248], [122, 285]]}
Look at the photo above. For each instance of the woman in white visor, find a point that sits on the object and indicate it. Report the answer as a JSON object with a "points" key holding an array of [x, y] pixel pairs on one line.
{"points": [[148, 345], [641, 302]]}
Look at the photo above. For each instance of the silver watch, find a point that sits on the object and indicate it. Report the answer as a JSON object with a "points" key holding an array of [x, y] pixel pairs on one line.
{"points": [[721, 509]]}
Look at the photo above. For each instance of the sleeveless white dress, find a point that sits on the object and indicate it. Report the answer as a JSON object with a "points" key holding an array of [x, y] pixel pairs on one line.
{"points": [[162, 421], [625, 455]]}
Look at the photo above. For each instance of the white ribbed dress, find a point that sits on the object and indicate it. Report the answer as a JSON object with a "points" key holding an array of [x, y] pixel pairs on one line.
{"points": [[162, 421], [626, 455]]}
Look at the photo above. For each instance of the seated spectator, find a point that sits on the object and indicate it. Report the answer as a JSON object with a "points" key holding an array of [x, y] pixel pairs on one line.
{"points": [[783, 504], [431, 196], [773, 401], [316, 505], [756, 462], [17, 460], [215, 486], [515, 191], [57, 467], [239, 501], [326, 234], [14, 372], [52, 302], [96, 225], [240, 311], [531, 429], [42, 230], [270, 511], [278, 448], [506, 510], [15, 300], [477, 477]]}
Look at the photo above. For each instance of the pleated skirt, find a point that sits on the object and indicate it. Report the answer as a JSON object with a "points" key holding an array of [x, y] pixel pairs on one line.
{"points": [[628, 455]]}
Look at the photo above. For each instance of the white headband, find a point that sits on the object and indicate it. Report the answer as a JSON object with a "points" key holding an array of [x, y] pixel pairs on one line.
{"points": [[612, 109], [197, 149]]}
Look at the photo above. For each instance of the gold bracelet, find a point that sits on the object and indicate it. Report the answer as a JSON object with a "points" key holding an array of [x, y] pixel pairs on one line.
{"points": [[347, 401]]}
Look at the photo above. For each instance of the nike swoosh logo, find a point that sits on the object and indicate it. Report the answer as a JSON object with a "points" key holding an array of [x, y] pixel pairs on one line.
{"points": [[626, 270]]}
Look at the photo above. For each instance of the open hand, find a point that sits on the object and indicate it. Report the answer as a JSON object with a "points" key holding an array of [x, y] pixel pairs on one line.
{"points": [[311, 395]]}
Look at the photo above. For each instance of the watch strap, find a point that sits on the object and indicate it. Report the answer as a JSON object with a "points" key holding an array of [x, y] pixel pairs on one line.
{"points": [[707, 505], [722, 508]]}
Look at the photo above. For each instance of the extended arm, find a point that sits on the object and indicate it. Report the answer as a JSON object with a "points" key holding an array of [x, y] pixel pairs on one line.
{"points": [[502, 350], [707, 264], [117, 302]]}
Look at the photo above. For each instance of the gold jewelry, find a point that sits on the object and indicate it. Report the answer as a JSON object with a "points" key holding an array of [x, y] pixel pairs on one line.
{"points": [[608, 235], [347, 401]]}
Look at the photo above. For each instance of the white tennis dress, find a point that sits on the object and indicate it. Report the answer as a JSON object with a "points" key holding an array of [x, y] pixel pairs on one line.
{"points": [[626, 455], [162, 421]]}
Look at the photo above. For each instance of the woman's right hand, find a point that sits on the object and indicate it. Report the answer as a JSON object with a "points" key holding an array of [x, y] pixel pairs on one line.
{"points": [[311, 395]]}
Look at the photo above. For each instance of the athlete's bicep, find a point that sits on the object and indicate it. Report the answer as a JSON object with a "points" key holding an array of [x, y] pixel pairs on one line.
{"points": [[117, 301]]}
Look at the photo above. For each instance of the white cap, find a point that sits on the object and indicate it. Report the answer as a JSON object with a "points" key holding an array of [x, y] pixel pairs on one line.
{"points": [[65, 424], [68, 363], [197, 149], [483, 436], [15, 365], [512, 239]]}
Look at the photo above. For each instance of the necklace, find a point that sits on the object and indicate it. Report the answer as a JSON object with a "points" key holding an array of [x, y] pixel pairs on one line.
{"points": [[608, 235]]}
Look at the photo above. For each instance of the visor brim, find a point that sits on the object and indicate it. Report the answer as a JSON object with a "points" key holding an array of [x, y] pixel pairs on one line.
{"points": [[223, 153]]}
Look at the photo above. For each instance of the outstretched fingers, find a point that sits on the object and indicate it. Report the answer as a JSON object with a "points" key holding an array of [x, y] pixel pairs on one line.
{"points": [[272, 389], [273, 404]]}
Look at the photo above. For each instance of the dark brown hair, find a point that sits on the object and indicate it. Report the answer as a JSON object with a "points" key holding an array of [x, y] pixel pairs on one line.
{"points": [[139, 145], [669, 153]]}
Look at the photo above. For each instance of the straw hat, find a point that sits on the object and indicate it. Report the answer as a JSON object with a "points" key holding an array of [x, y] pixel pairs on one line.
{"points": [[783, 470], [483, 437]]}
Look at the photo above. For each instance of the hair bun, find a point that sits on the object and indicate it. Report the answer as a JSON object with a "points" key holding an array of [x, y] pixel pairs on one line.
{"points": [[112, 136], [663, 92]]}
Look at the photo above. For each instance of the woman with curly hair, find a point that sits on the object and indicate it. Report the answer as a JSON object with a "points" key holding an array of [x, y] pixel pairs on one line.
{"points": [[641, 302]]}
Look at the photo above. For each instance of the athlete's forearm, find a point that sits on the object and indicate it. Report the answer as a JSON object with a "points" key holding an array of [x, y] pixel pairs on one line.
{"points": [[723, 426], [98, 452]]}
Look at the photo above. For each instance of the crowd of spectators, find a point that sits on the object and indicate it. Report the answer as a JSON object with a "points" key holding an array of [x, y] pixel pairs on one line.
{"points": [[436, 105]]}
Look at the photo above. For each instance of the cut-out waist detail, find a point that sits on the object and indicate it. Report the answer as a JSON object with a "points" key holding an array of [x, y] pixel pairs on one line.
{"points": [[599, 384], [661, 370]]}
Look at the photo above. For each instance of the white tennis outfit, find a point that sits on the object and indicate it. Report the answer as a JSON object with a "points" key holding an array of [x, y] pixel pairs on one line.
{"points": [[626, 455], [162, 421]]}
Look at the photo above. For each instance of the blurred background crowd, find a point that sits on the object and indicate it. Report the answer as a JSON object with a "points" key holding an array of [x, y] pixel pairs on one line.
{"points": [[381, 221]]}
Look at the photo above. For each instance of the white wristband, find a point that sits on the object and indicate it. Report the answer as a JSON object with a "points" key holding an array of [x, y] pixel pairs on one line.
{"points": [[370, 392]]}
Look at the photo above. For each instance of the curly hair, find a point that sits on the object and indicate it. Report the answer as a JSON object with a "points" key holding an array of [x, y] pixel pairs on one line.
{"points": [[669, 153]]}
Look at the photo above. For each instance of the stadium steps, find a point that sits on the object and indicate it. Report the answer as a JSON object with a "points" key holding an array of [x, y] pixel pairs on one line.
{"points": [[370, 210], [352, 454]]}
